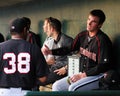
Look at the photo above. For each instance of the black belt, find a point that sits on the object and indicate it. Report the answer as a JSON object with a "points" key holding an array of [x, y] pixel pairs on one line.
{"points": [[23, 88]]}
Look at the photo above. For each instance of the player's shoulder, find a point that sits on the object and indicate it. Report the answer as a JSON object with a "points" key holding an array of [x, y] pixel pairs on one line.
{"points": [[85, 32], [82, 34], [5, 42], [65, 36], [49, 38], [34, 46], [103, 35], [31, 32]]}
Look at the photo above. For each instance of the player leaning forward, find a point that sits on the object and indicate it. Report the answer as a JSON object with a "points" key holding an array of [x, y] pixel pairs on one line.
{"points": [[21, 63]]}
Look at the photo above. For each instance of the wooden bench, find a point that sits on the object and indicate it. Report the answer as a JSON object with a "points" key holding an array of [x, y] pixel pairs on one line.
{"points": [[46, 87]]}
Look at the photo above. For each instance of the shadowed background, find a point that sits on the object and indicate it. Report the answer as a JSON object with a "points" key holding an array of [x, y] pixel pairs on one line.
{"points": [[72, 13]]}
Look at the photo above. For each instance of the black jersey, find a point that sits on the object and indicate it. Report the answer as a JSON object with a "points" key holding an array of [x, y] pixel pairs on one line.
{"points": [[21, 63], [33, 38], [96, 52]]}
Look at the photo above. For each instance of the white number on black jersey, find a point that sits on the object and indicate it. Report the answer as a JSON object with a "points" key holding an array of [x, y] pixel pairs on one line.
{"points": [[20, 63]]}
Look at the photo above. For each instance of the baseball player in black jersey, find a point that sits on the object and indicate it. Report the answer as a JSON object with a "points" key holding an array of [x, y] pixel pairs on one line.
{"points": [[95, 49], [21, 63], [32, 37]]}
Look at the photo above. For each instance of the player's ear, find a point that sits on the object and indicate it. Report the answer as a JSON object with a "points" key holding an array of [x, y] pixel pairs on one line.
{"points": [[25, 29], [25, 33], [100, 25]]}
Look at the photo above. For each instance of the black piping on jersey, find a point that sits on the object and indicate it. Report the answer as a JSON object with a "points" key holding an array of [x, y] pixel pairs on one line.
{"points": [[98, 49], [77, 39], [58, 38]]}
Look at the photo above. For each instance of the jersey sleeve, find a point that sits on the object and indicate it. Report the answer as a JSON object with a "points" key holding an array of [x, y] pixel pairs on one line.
{"points": [[74, 46]]}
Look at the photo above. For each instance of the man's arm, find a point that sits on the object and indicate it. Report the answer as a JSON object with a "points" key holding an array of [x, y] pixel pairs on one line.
{"points": [[42, 79], [61, 51]]}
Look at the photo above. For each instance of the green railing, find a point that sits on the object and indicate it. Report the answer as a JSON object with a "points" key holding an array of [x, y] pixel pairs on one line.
{"points": [[77, 93]]}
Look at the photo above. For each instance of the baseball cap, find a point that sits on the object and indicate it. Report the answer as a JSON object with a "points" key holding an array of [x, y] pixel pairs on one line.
{"points": [[18, 25]]}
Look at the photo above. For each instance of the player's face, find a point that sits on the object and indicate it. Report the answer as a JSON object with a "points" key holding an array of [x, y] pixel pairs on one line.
{"points": [[93, 23], [50, 31], [45, 26]]}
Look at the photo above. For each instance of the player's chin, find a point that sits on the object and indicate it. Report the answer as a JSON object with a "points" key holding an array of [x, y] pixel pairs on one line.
{"points": [[88, 29]]}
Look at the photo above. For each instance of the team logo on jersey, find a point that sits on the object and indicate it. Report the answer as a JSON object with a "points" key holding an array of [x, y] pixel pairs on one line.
{"points": [[87, 53]]}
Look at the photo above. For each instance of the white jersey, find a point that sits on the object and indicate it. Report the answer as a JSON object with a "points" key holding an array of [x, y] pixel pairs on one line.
{"points": [[49, 42]]}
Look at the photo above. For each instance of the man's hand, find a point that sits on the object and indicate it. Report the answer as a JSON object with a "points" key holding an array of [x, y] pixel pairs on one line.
{"points": [[45, 50], [77, 77], [42, 79], [61, 71], [50, 60]]}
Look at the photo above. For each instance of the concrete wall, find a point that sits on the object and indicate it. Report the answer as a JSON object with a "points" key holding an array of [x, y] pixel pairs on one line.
{"points": [[72, 13]]}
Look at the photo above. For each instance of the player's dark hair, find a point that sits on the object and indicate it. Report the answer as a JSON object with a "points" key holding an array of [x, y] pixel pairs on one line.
{"points": [[27, 20], [99, 13], [55, 23]]}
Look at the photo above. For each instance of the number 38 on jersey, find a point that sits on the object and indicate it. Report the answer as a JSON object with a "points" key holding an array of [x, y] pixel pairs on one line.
{"points": [[20, 63]]}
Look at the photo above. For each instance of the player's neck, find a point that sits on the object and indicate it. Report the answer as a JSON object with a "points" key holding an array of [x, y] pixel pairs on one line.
{"points": [[55, 35], [16, 37], [92, 34]]}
